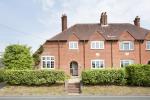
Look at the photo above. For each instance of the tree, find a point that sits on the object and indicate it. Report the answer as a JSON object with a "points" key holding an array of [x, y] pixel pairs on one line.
{"points": [[36, 56], [17, 57]]}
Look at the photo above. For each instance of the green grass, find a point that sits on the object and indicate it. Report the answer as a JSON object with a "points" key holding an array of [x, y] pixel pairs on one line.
{"points": [[116, 90]]}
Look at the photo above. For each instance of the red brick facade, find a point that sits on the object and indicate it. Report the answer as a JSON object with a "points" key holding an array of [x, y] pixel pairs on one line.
{"points": [[111, 54]]}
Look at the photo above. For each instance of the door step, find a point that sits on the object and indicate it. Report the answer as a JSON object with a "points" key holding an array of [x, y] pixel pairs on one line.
{"points": [[73, 86]]}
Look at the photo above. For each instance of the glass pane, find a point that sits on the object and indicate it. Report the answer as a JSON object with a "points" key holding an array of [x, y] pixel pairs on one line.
{"points": [[97, 45], [93, 64], [101, 64], [97, 64], [52, 64], [52, 58], [48, 64], [48, 58], [126, 46], [44, 64], [93, 45], [43, 58]]}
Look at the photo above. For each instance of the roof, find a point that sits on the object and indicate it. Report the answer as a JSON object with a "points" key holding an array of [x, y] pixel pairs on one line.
{"points": [[110, 32]]}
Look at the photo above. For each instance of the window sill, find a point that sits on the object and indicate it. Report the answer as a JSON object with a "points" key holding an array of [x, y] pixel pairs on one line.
{"points": [[126, 50]]}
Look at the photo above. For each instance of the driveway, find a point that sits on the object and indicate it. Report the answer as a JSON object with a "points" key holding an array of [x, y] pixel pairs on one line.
{"points": [[77, 98]]}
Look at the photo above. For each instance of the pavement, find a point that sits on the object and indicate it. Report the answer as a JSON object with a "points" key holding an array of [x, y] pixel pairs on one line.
{"points": [[76, 98], [2, 84]]}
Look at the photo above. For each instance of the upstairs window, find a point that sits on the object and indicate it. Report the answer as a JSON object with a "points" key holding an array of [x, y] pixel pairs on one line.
{"points": [[73, 45], [97, 44], [147, 45], [95, 64], [126, 45], [47, 62], [124, 63]]}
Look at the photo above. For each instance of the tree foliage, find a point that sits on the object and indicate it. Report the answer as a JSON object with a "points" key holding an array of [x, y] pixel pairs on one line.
{"points": [[36, 56], [17, 57]]}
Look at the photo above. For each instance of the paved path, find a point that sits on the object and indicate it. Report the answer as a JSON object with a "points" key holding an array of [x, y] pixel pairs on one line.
{"points": [[77, 98], [2, 84]]}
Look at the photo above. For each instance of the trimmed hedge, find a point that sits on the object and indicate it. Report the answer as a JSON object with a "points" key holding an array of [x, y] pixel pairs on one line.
{"points": [[1, 75], [103, 77], [33, 77], [138, 75]]}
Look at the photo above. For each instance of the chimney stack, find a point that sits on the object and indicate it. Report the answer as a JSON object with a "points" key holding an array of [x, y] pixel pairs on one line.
{"points": [[137, 21], [103, 19], [64, 22]]}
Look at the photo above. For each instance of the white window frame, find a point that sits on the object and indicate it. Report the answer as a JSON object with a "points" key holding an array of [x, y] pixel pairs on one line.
{"points": [[127, 60], [95, 42], [100, 61], [46, 62], [147, 43], [130, 45], [72, 44]]}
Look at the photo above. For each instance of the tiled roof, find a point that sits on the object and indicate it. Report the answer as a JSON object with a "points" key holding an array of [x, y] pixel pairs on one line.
{"points": [[111, 32]]}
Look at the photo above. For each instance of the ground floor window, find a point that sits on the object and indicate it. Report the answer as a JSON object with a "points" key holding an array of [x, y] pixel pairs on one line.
{"points": [[124, 63], [47, 62], [97, 63]]}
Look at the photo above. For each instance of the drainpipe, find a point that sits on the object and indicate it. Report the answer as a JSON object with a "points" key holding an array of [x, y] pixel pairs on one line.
{"points": [[58, 55], [111, 54], [84, 54], [140, 51]]}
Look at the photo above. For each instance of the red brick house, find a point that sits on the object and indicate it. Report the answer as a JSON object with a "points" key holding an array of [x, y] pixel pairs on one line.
{"points": [[96, 46]]}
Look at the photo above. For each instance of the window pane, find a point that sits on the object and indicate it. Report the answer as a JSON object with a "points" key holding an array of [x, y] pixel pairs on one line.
{"points": [[44, 64], [93, 64], [131, 45], [101, 64], [97, 45], [43, 58], [48, 64], [97, 64], [126, 46], [48, 58], [52, 64], [52, 58]]}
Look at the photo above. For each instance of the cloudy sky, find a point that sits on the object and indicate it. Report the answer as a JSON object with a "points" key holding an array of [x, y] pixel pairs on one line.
{"points": [[31, 22]]}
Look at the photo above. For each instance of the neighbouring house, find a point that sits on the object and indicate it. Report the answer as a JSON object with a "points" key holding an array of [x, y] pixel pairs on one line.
{"points": [[100, 45]]}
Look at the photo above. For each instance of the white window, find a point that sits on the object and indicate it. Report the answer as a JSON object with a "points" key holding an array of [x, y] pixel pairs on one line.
{"points": [[97, 44], [47, 62], [73, 45], [126, 45], [97, 63], [147, 45], [124, 63]]}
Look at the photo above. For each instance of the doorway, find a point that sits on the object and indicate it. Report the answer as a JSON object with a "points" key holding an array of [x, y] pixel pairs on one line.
{"points": [[74, 68]]}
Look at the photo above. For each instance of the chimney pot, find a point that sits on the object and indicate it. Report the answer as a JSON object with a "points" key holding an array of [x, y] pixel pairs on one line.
{"points": [[103, 19], [137, 21], [64, 22]]}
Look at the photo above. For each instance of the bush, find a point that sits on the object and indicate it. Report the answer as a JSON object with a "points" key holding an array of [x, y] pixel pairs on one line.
{"points": [[103, 77], [1, 75], [33, 77], [138, 75], [17, 57]]}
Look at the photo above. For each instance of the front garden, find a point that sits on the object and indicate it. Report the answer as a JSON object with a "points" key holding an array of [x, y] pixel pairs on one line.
{"points": [[20, 75]]}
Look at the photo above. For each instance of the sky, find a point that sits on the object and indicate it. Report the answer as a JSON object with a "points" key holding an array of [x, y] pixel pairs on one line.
{"points": [[32, 22]]}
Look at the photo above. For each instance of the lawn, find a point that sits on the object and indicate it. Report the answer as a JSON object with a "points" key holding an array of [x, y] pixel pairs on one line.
{"points": [[116, 90], [57, 89]]}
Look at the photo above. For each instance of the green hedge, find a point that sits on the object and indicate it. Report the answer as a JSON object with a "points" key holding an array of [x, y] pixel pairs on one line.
{"points": [[33, 77], [103, 77], [1, 75], [138, 75]]}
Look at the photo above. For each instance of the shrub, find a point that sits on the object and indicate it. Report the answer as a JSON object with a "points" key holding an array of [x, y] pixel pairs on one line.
{"points": [[17, 57], [138, 75], [103, 77], [33, 77], [1, 75]]}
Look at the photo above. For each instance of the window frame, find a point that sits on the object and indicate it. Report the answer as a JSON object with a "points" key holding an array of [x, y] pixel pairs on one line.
{"points": [[72, 47], [95, 64], [94, 42], [47, 61], [147, 45], [121, 43], [130, 62]]}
